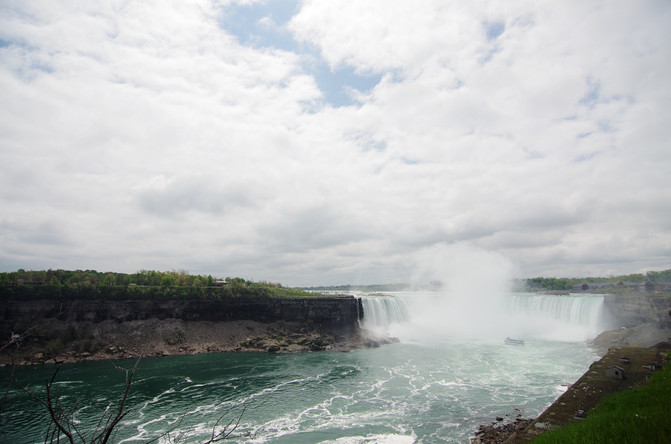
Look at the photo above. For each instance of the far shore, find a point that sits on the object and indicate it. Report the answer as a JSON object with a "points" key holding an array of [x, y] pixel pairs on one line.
{"points": [[153, 337]]}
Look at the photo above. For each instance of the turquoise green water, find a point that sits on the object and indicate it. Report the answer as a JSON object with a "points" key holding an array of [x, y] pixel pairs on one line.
{"points": [[404, 392]]}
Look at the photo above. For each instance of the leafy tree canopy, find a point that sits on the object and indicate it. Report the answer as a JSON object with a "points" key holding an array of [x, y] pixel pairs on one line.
{"points": [[145, 284]]}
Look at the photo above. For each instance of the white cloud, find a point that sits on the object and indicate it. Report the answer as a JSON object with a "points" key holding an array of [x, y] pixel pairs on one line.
{"points": [[144, 135]]}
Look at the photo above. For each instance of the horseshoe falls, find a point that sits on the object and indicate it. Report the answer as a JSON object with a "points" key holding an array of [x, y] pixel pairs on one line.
{"points": [[572, 317], [427, 317], [449, 372]]}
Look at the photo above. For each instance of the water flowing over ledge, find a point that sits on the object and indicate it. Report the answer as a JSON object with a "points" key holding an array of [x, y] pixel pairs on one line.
{"points": [[420, 316]]}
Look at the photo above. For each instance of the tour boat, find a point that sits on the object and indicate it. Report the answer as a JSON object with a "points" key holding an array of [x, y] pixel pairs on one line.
{"points": [[512, 341]]}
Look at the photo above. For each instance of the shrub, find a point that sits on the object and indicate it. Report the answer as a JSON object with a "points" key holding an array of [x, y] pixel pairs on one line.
{"points": [[68, 335]]}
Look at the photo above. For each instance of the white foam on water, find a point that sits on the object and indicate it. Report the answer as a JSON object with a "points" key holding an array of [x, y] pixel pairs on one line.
{"points": [[374, 439]]}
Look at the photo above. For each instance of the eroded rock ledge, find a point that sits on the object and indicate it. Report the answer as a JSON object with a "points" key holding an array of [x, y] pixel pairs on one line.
{"points": [[69, 331]]}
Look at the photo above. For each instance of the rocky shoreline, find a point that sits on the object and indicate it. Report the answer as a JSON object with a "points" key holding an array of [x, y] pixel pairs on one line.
{"points": [[499, 431], [87, 341]]}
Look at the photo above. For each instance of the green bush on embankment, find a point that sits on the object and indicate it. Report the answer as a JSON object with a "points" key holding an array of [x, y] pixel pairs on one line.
{"points": [[143, 285], [641, 415]]}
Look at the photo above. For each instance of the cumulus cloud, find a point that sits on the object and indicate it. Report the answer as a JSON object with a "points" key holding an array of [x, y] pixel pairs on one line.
{"points": [[151, 135]]}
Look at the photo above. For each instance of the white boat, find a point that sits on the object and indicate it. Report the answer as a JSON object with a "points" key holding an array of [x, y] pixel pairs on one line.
{"points": [[513, 341]]}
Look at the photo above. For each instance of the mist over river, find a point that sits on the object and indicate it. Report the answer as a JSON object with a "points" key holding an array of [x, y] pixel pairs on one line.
{"points": [[450, 372]]}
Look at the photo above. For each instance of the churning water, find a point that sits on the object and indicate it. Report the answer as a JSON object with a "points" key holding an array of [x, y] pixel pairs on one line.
{"points": [[432, 386]]}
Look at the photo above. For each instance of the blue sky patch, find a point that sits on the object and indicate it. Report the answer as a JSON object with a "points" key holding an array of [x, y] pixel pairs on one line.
{"points": [[533, 155], [584, 157], [494, 29], [593, 94], [335, 84], [605, 126], [263, 25]]}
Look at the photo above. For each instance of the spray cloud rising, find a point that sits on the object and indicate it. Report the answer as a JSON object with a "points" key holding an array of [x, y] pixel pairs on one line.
{"points": [[473, 282], [473, 299]]}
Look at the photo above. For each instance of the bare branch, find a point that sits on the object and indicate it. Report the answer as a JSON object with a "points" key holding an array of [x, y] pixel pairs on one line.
{"points": [[54, 417], [168, 432], [58, 427], [63, 424], [9, 387], [17, 338], [110, 425], [226, 432], [62, 419], [100, 421]]}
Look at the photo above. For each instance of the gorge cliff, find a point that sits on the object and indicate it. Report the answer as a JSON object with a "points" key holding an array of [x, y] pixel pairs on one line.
{"points": [[629, 311], [640, 320], [51, 330]]}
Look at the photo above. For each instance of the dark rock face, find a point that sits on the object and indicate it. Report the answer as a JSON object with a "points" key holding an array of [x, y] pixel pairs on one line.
{"points": [[634, 320], [342, 313], [630, 311]]}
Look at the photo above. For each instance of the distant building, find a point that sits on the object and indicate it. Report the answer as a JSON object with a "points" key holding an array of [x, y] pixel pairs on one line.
{"points": [[592, 286], [600, 286], [615, 372]]}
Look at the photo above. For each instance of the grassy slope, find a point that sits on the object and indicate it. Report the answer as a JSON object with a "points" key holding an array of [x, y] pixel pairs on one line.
{"points": [[641, 415]]}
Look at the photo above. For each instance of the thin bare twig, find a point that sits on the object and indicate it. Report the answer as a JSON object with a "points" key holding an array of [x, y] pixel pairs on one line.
{"points": [[225, 433], [55, 428], [63, 424], [14, 339], [17, 339], [110, 425], [56, 418], [167, 433], [62, 419], [9, 387]]}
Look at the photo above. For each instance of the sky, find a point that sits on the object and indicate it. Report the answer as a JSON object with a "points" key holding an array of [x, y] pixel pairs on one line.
{"points": [[319, 143]]}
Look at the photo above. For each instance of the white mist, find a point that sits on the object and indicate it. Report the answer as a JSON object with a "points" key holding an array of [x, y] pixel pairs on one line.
{"points": [[475, 302], [469, 303]]}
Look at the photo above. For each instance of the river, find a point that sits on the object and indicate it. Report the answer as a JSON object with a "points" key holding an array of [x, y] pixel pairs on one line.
{"points": [[437, 384]]}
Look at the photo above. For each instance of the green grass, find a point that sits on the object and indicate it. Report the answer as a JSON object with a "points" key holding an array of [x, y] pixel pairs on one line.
{"points": [[236, 288], [641, 415]]}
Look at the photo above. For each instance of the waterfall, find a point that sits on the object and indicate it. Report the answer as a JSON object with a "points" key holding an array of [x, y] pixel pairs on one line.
{"points": [[380, 312], [582, 311], [569, 317], [428, 316]]}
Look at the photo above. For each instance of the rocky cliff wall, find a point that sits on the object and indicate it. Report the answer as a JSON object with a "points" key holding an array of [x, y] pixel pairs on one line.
{"points": [[630, 311], [334, 312]]}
